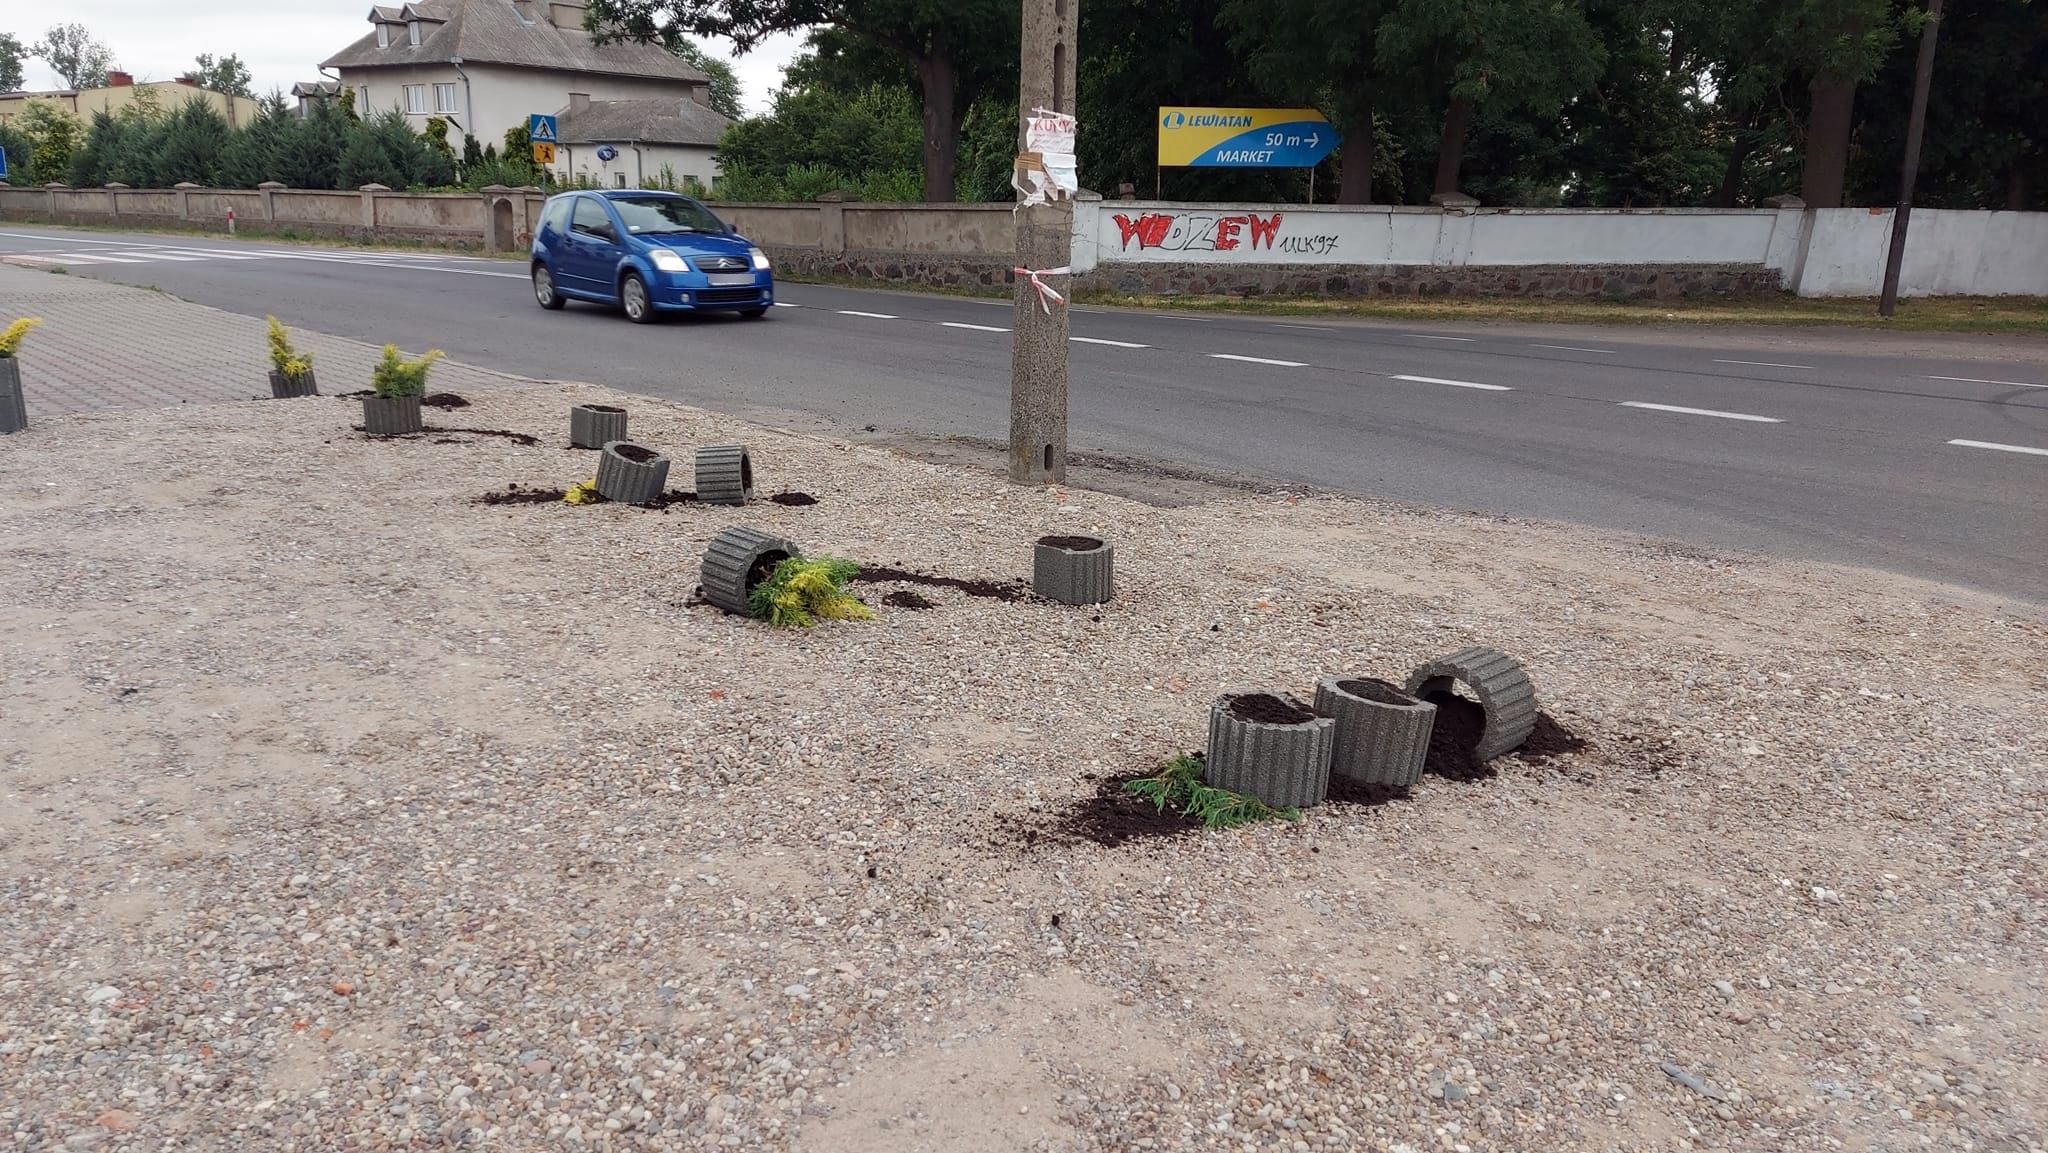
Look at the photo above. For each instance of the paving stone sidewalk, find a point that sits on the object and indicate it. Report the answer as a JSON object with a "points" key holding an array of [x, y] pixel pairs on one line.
{"points": [[105, 346]]}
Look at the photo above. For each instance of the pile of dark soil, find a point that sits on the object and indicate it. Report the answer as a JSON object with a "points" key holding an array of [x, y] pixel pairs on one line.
{"points": [[1550, 740], [1009, 591], [443, 400], [1112, 817], [1267, 709], [519, 438], [1071, 543], [514, 494], [905, 599], [638, 454], [674, 496], [794, 499], [1460, 722], [1375, 689]]}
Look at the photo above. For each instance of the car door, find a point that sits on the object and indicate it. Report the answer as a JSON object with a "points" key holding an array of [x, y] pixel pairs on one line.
{"points": [[592, 249]]}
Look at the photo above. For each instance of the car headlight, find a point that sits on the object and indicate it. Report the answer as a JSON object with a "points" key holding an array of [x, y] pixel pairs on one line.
{"points": [[669, 260], [760, 258]]}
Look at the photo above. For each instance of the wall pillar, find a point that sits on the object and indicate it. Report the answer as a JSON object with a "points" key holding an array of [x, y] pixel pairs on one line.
{"points": [[269, 189], [370, 192], [832, 225]]}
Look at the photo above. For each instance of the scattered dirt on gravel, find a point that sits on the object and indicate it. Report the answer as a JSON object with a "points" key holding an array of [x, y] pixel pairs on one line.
{"points": [[905, 599], [513, 494], [443, 400], [1011, 591], [1109, 817], [794, 499]]}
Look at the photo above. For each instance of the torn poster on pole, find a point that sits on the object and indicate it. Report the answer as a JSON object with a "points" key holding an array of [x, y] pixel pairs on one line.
{"points": [[1046, 169]]}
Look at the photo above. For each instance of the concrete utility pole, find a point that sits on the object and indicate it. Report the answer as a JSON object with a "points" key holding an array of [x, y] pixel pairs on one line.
{"points": [[1909, 171], [1045, 239]]}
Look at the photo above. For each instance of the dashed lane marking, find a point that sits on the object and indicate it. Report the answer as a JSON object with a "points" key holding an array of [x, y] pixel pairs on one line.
{"points": [[1426, 336], [1766, 364], [1456, 383], [1576, 348], [1974, 380], [1682, 410], [971, 327], [1109, 343], [1258, 360], [868, 315], [1996, 447]]}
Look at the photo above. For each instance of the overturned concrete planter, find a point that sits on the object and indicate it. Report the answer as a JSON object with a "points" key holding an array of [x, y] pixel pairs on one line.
{"points": [[1269, 746], [282, 386], [13, 406], [1073, 570], [725, 474], [596, 425], [738, 559], [1500, 684], [630, 473], [391, 415], [1382, 732]]}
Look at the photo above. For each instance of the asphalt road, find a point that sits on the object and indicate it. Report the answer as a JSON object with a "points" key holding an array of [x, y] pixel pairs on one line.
{"points": [[1934, 464]]}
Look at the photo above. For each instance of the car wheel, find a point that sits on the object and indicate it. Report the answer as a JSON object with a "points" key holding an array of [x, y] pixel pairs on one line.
{"points": [[753, 313], [544, 288], [633, 298]]}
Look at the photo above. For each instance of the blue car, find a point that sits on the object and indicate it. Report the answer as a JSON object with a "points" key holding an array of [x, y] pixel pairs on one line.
{"points": [[648, 253]]}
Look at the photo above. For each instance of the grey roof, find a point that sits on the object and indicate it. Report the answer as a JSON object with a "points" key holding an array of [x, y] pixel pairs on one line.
{"points": [[317, 88], [491, 32], [642, 122]]}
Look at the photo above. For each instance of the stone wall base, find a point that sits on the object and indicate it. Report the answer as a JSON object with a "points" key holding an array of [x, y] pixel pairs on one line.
{"points": [[1619, 281], [246, 227]]}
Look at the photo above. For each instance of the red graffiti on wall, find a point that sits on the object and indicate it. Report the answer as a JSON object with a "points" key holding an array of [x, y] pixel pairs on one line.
{"points": [[1197, 232]]}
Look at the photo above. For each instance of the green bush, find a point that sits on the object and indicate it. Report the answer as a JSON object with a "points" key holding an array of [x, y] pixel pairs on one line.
{"points": [[395, 376]]}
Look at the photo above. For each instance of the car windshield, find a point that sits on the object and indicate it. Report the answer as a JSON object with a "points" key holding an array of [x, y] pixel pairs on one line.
{"points": [[655, 215]]}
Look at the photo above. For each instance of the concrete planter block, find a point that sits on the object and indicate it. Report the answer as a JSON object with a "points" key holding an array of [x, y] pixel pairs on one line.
{"points": [[738, 559], [1382, 732], [391, 415], [13, 406], [1500, 684], [1073, 570], [1269, 746], [282, 386], [631, 473], [596, 425], [725, 474]]}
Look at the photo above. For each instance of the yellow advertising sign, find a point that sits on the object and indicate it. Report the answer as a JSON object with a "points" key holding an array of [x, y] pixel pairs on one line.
{"points": [[1244, 138], [543, 154]]}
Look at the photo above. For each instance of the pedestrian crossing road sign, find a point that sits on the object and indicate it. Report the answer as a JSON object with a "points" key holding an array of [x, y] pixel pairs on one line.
{"points": [[543, 153], [542, 130]]}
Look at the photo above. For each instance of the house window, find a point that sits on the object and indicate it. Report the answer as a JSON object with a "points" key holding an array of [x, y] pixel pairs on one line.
{"points": [[383, 35], [416, 99], [412, 32], [444, 98], [620, 177], [363, 100]]}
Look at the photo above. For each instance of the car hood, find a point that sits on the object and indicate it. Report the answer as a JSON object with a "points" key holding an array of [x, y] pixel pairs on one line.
{"points": [[703, 243]]}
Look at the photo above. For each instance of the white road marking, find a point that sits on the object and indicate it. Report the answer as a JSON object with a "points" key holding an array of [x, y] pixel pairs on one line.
{"points": [[1258, 360], [1974, 380], [974, 327], [786, 304], [869, 315], [1110, 343], [214, 254], [2001, 447], [1765, 364], [1456, 383], [157, 254], [1575, 348], [82, 258], [1700, 412], [1305, 327], [1424, 336], [1189, 319], [61, 239]]}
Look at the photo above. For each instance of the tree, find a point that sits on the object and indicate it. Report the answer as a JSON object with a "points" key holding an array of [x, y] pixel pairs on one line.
{"points": [[725, 82], [958, 50], [74, 55], [55, 134], [1305, 51], [12, 56], [228, 74]]}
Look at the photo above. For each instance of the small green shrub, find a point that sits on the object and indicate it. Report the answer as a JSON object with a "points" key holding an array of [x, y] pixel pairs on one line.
{"points": [[10, 337], [801, 592], [396, 376], [289, 362], [1180, 784]]}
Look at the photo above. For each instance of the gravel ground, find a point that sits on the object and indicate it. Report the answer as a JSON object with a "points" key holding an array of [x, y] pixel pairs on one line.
{"points": [[339, 811]]}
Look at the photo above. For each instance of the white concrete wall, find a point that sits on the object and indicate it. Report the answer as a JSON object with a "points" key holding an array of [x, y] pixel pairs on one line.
{"points": [[1948, 253], [1830, 252], [504, 97]]}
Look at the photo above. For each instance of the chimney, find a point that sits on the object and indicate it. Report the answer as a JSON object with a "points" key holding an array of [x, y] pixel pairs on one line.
{"points": [[120, 80], [189, 81], [566, 14], [579, 103]]}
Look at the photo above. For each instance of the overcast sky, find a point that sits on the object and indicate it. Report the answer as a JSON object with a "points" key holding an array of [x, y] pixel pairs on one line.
{"points": [[282, 41]]}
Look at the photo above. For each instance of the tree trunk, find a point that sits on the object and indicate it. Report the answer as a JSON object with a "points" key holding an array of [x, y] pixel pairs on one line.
{"points": [[1450, 155], [2015, 188], [1354, 162], [935, 73], [1827, 143], [1730, 191]]}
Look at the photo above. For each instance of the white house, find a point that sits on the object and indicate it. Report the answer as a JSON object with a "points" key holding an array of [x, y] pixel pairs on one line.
{"points": [[631, 143], [485, 66]]}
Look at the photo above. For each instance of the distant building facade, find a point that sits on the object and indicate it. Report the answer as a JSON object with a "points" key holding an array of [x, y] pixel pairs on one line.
{"points": [[123, 92]]}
